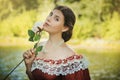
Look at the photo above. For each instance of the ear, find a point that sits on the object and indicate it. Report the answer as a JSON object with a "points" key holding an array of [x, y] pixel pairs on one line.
{"points": [[65, 29]]}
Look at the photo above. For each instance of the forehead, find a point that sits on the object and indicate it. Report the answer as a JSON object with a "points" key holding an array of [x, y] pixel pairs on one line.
{"points": [[58, 13]]}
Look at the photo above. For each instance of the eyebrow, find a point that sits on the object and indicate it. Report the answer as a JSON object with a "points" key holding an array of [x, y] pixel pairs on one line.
{"points": [[56, 15]]}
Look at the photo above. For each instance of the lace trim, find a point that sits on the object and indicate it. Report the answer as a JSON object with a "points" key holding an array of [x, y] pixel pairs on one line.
{"points": [[63, 67]]}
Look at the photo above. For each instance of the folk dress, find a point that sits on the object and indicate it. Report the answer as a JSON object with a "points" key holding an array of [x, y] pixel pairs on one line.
{"points": [[74, 67]]}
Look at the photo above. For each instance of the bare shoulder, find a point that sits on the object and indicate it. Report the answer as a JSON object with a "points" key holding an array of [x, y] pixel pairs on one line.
{"points": [[69, 51]]}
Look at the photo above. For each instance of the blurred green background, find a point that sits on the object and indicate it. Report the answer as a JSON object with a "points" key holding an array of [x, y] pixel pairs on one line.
{"points": [[96, 34]]}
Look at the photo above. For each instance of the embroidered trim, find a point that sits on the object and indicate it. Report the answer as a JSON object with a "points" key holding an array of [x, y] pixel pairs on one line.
{"points": [[63, 67]]}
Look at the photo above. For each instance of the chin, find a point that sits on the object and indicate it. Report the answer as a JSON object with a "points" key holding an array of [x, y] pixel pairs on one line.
{"points": [[47, 30]]}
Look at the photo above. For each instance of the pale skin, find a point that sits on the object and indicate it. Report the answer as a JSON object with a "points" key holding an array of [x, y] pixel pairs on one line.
{"points": [[54, 25]]}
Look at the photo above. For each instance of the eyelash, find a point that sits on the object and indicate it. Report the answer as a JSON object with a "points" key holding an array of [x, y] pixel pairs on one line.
{"points": [[56, 19]]}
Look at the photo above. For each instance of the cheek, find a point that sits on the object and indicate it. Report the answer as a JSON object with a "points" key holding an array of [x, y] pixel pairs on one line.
{"points": [[58, 26]]}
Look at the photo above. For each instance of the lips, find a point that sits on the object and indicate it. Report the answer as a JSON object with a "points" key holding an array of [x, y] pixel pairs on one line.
{"points": [[46, 24]]}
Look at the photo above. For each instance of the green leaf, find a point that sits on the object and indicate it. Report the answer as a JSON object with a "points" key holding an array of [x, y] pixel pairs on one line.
{"points": [[31, 39], [38, 49], [31, 33], [36, 37]]}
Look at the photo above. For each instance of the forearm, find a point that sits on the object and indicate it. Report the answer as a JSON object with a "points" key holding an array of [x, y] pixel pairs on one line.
{"points": [[29, 57], [30, 76], [28, 72]]}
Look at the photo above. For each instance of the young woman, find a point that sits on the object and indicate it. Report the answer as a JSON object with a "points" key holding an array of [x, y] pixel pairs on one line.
{"points": [[57, 61]]}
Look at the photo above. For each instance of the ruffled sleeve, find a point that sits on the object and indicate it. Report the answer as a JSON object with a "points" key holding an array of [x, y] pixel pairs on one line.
{"points": [[79, 75], [81, 71]]}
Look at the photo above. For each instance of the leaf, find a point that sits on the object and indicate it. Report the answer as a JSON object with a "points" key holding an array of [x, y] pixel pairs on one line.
{"points": [[36, 37], [38, 49], [31, 39], [31, 33]]}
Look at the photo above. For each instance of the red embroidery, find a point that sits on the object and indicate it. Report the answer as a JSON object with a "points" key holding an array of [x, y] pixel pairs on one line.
{"points": [[71, 57], [63, 61], [58, 61], [52, 62], [62, 66]]}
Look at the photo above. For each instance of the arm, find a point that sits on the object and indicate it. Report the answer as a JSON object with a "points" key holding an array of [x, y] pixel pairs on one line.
{"points": [[30, 76], [29, 57]]}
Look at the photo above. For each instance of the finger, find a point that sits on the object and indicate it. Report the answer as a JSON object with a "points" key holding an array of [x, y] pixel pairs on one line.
{"points": [[32, 51], [33, 56], [25, 56], [29, 54]]}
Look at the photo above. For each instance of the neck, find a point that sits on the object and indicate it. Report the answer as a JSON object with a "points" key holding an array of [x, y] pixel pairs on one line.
{"points": [[55, 38], [54, 41]]}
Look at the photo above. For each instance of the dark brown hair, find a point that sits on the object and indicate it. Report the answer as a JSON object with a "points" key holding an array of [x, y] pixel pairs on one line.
{"points": [[69, 21]]}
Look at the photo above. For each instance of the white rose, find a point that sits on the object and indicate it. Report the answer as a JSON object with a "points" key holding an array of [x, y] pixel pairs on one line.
{"points": [[36, 25]]}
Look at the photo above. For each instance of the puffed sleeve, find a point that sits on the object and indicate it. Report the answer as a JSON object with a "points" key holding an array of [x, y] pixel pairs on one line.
{"points": [[81, 71], [79, 75]]}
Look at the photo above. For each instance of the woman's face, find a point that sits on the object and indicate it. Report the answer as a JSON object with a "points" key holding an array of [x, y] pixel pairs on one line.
{"points": [[54, 22]]}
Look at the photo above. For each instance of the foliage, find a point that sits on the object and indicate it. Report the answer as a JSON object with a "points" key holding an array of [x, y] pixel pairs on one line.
{"points": [[84, 29], [17, 26], [96, 20], [35, 37], [111, 28], [93, 20]]}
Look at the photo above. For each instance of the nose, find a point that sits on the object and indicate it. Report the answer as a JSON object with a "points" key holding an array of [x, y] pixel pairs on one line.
{"points": [[49, 18]]}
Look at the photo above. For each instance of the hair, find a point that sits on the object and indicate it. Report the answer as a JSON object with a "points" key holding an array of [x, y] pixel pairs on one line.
{"points": [[69, 21]]}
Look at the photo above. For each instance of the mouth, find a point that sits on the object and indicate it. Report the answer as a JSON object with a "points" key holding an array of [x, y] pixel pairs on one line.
{"points": [[46, 24]]}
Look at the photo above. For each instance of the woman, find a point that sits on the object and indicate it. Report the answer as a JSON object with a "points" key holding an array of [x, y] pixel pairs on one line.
{"points": [[57, 61]]}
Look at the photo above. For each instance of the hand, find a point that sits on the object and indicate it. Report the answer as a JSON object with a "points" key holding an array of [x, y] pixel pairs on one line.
{"points": [[29, 57]]}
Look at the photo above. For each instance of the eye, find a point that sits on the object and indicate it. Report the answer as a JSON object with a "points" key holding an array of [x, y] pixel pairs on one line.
{"points": [[57, 19]]}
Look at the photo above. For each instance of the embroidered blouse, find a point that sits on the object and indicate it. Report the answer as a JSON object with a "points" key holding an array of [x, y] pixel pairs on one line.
{"points": [[72, 68]]}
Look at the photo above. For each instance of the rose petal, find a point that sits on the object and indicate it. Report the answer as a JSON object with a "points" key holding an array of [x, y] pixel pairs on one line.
{"points": [[36, 25]]}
